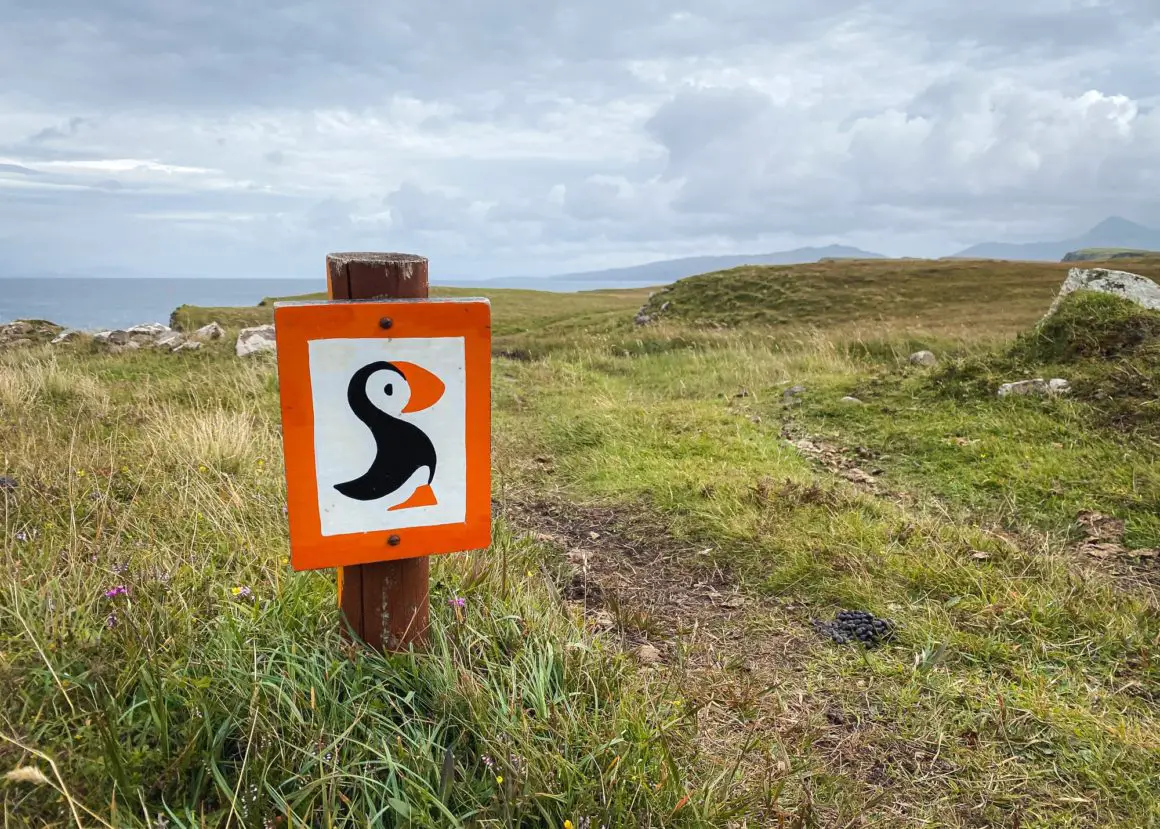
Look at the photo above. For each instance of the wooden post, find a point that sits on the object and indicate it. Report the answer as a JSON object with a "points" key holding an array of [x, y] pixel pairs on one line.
{"points": [[385, 603]]}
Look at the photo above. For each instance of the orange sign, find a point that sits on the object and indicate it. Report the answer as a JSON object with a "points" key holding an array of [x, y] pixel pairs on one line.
{"points": [[386, 428]]}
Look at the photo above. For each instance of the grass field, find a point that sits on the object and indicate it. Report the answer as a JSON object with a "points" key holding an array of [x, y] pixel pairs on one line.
{"points": [[655, 486]]}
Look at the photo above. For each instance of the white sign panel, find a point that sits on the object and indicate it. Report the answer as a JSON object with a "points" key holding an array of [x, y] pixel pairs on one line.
{"points": [[389, 426]]}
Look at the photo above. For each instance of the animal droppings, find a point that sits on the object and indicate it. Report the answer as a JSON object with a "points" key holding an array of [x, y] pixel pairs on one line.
{"points": [[856, 626]]}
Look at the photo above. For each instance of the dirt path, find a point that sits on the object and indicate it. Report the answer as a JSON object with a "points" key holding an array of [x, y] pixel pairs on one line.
{"points": [[742, 660]]}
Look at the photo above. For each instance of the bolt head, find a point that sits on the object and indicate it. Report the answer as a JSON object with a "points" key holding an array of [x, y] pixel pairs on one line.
{"points": [[394, 540], [386, 322]]}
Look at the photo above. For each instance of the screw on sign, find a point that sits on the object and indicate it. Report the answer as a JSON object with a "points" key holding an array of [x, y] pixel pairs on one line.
{"points": [[386, 430]]}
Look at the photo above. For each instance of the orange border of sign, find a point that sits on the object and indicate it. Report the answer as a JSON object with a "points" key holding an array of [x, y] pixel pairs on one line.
{"points": [[295, 325]]}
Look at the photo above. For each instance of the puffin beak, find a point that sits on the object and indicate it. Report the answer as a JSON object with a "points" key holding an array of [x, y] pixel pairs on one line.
{"points": [[426, 388]]}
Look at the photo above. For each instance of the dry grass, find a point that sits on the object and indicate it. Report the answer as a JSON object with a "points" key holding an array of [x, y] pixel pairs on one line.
{"points": [[221, 441], [32, 376]]}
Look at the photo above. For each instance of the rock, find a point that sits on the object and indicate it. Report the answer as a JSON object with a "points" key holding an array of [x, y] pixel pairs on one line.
{"points": [[213, 331], [665, 306], [117, 348], [118, 337], [603, 620], [1024, 387], [1036, 386], [253, 340], [67, 336], [792, 392], [170, 339], [641, 318], [8, 482], [27, 332], [922, 358], [851, 400], [102, 337], [1130, 286], [648, 654], [152, 330], [188, 345], [19, 328]]}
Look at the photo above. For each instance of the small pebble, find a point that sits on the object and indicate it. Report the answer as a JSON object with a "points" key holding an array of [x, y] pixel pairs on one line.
{"points": [[8, 482]]}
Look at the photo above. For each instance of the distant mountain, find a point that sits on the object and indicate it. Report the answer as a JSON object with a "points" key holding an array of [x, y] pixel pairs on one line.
{"points": [[670, 270], [1114, 232]]}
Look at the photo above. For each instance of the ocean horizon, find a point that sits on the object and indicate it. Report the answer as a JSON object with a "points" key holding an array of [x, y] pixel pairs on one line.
{"points": [[104, 302]]}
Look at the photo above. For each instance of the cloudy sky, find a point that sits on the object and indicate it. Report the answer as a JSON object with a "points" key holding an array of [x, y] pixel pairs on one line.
{"points": [[500, 137]]}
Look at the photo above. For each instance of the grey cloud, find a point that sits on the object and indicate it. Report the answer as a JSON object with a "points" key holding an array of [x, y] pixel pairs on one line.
{"points": [[514, 133], [71, 128]]}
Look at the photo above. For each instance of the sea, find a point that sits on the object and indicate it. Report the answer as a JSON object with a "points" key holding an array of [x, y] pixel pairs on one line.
{"points": [[107, 302]]}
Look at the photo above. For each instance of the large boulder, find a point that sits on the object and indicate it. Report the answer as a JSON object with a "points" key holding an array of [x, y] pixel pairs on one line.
{"points": [[170, 339], [27, 332], [148, 333], [922, 358], [213, 331], [1130, 286], [254, 340], [67, 336], [151, 330]]}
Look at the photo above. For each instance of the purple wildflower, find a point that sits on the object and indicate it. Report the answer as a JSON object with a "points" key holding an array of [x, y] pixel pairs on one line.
{"points": [[111, 620], [119, 590], [457, 601], [487, 761], [21, 536]]}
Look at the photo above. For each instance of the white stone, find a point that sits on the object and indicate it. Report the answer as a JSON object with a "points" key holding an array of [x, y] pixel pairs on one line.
{"points": [[147, 329], [188, 345], [253, 340], [853, 400], [922, 358], [170, 339], [66, 336], [1037, 386], [213, 331], [102, 336], [1130, 286], [1023, 387]]}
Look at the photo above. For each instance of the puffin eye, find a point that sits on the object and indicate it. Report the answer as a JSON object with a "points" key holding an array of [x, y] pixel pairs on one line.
{"points": [[390, 389]]}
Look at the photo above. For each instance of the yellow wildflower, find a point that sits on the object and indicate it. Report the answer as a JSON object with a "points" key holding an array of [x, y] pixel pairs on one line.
{"points": [[203, 468], [499, 778], [80, 473], [567, 824]]}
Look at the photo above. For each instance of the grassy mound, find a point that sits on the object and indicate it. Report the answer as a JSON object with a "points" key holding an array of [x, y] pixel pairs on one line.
{"points": [[515, 311], [1106, 346], [1001, 297]]}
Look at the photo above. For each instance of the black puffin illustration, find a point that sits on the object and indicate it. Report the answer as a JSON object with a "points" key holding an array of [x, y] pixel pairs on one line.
{"points": [[401, 447]]}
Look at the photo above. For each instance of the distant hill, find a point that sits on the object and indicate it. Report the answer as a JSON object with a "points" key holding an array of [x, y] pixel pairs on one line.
{"points": [[1105, 254], [1114, 232], [669, 270]]}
